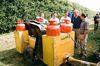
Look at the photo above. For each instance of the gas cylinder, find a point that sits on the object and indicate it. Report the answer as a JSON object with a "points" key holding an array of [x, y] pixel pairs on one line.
{"points": [[20, 26], [53, 22], [65, 28], [53, 30], [66, 20], [19, 21]]}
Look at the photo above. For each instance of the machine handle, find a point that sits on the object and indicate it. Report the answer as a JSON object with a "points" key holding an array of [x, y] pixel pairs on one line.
{"points": [[71, 59]]}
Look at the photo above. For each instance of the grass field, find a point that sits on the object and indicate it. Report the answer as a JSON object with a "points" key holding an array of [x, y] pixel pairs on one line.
{"points": [[10, 57]]}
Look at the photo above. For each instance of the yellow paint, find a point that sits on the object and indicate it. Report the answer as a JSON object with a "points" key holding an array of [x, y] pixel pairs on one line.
{"points": [[56, 48], [48, 51], [32, 41], [21, 40], [25, 37]]}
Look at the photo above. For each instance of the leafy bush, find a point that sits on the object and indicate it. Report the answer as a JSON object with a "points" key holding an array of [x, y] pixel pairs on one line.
{"points": [[11, 10]]}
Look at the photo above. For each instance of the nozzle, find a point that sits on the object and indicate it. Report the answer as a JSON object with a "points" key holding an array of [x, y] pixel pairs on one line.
{"points": [[71, 59]]}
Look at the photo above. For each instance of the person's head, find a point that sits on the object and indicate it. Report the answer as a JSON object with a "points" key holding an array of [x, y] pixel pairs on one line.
{"points": [[66, 13], [97, 14], [41, 14], [54, 14], [83, 16], [76, 12]]}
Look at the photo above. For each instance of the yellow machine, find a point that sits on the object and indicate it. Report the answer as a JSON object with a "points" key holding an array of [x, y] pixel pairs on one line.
{"points": [[55, 49]]}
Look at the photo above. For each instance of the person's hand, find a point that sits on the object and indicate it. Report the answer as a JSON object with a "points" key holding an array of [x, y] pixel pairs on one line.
{"points": [[97, 19], [81, 36], [27, 23]]}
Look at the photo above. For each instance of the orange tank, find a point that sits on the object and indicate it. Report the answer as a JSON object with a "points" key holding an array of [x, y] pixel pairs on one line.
{"points": [[20, 27], [66, 21], [52, 30], [53, 22], [19, 21], [65, 28]]}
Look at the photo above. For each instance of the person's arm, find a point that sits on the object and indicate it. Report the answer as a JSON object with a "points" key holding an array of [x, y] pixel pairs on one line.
{"points": [[61, 20], [86, 28], [58, 20], [45, 22], [72, 19], [98, 19], [94, 18]]}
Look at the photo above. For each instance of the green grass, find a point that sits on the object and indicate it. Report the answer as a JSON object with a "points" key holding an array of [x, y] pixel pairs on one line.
{"points": [[93, 44], [11, 58]]}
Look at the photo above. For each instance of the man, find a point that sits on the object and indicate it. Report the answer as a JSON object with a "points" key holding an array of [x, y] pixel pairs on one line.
{"points": [[41, 19], [65, 18], [76, 20], [42, 22], [83, 34], [54, 17], [96, 21]]}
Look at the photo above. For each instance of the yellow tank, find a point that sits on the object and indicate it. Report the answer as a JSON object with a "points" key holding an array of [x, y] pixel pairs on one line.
{"points": [[56, 48], [22, 39], [32, 41]]}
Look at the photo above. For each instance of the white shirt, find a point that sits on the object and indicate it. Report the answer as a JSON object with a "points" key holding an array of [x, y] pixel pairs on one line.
{"points": [[67, 18], [44, 20], [57, 20]]}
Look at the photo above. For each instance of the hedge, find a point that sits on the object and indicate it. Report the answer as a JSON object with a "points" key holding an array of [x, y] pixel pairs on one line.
{"points": [[11, 10]]}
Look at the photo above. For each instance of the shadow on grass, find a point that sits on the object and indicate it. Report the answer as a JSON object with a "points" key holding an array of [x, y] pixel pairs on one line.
{"points": [[11, 58]]}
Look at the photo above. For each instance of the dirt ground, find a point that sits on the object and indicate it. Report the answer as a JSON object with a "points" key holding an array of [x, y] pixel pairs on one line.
{"points": [[7, 41]]}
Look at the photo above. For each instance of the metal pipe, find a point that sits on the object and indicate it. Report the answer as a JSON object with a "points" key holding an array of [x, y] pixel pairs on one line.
{"points": [[71, 59]]}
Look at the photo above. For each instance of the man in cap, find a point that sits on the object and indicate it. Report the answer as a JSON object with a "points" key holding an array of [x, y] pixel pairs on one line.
{"points": [[65, 18]]}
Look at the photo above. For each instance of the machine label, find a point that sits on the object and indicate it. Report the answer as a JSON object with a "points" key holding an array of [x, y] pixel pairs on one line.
{"points": [[62, 38]]}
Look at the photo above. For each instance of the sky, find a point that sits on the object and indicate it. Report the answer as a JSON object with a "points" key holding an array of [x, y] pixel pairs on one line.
{"points": [[91, 4]]}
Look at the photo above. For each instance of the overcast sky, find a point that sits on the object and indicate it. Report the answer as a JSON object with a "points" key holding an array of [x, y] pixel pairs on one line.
{"points": [[92, 4]]}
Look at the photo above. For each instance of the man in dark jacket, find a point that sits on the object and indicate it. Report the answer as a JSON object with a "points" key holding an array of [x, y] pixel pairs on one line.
{"points": [[76, 20], [96, 21]]}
